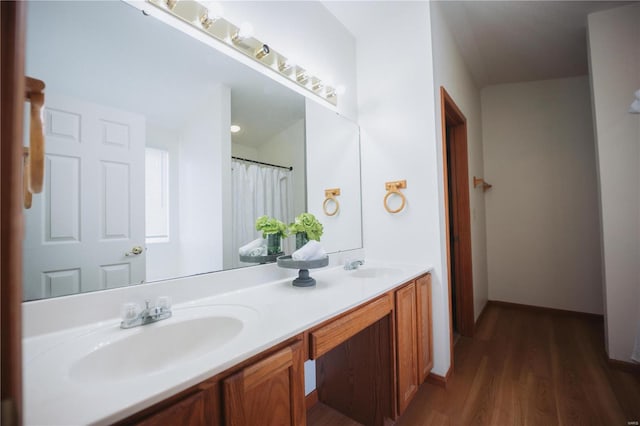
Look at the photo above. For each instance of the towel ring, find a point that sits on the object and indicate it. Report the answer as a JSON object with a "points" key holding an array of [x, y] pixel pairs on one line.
{"points": [[330, 195], [393, 188]]}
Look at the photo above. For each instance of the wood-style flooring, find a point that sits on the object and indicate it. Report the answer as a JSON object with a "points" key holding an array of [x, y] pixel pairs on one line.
{"points": [[526, 367], [323, 415]]}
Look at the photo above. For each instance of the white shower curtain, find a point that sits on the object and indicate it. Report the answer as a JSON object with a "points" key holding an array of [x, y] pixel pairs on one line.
{"points": [[258, 190]]}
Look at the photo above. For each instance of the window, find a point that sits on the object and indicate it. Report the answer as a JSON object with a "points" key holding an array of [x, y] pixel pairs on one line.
{"points": [[156, 195]]}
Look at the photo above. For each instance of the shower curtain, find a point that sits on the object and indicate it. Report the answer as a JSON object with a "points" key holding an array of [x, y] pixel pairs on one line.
{"points": [[258, 190]]}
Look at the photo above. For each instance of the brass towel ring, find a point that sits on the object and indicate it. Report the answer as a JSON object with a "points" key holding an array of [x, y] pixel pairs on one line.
{"points": [[393, 188], [330, 195]]}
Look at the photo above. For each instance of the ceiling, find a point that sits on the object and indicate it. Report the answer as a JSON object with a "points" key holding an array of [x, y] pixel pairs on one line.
{"points": [[501, 41], [514, 41]]}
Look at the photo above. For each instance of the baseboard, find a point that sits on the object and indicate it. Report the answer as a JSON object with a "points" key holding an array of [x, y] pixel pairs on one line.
{"points": [[598, 317], [438, 380], [311, 399], [629, 367]]}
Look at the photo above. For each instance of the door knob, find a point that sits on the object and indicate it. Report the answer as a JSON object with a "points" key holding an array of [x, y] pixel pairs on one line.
{"points": [[136, 250]]}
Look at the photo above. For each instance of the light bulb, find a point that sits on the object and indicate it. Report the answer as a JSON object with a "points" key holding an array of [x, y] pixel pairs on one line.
{"points": [[244, 31], [235, 128], [214, 9]]}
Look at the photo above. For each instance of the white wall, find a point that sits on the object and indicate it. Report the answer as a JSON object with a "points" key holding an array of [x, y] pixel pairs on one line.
{"points": [[163, 258], [398, 141], [205, 166], [287, 149], [614, 47], [451, 72], [244, 151], [543, 242]]}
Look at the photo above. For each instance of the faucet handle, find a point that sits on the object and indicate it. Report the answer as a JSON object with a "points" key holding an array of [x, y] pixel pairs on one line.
{"points": [[129, 311], [163, 303]]}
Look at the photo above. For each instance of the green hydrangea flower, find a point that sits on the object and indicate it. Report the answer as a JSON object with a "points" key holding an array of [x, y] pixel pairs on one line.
{"points": [[269, 225], [306, 222]]}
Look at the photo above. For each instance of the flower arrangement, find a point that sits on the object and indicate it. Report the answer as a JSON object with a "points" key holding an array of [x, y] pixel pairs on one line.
{"points": [[269, 225], [306, 222]]}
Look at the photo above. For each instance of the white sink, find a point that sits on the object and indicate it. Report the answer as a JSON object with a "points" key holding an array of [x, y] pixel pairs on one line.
{"points": [[108, 353], [373, 272], [155, 347]]}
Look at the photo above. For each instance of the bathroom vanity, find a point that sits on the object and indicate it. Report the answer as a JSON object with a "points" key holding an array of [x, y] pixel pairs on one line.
{"points": [[233, 351], [369, 331], [370, 363]]}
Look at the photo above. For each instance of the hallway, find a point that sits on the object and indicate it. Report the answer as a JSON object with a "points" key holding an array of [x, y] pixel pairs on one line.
{"points": [[529, 367]]}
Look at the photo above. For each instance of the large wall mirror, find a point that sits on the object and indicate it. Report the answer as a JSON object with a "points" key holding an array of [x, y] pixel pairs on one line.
{"points": [[144, 180]]}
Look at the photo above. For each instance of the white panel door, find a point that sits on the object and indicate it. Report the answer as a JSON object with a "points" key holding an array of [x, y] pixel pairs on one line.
{"points": [[91, 211]]}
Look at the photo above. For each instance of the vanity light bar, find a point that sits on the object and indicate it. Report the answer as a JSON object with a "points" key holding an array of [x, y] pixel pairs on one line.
{"points": [[201, 18]]}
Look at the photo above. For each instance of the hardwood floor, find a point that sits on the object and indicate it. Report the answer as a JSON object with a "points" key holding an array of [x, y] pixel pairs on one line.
{"points": [[323, 415], [527, 367]]}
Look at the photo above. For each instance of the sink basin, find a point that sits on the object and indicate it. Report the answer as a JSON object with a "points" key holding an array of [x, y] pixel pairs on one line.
{"points": [[373, 272], [152, 348], [109, 353]]}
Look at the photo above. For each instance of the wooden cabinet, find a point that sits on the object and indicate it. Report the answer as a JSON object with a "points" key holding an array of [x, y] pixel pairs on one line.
{"points": [[197, 406], [370, 362], [406, 345], [355, 363], [414, 354], [189, 411], [425, 329], [264, 390], [330, 335], [268, 392]]}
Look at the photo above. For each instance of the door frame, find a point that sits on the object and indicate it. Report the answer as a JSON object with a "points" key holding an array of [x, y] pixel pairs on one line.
{"points": [[12, 89], [452, 116]]}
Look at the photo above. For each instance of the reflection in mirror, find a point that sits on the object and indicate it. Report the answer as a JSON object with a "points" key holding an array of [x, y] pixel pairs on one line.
{"points": [[139, 174], [333, 150], [140, 182]]}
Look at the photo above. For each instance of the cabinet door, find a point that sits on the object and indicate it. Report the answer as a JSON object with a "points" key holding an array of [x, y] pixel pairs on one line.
{"points": [[425, 332], [269, 392], [200, 408], [407, 346]]}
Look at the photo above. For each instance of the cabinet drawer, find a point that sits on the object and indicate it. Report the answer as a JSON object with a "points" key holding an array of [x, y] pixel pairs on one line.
{"points": [[336, 332]]}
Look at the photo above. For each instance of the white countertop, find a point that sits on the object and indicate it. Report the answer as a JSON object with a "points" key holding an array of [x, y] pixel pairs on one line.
{"points": [[275, 311]]}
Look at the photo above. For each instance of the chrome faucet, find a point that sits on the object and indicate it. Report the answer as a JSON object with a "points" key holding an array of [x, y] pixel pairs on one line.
{"points": [[350, 265], [133, 316]]}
